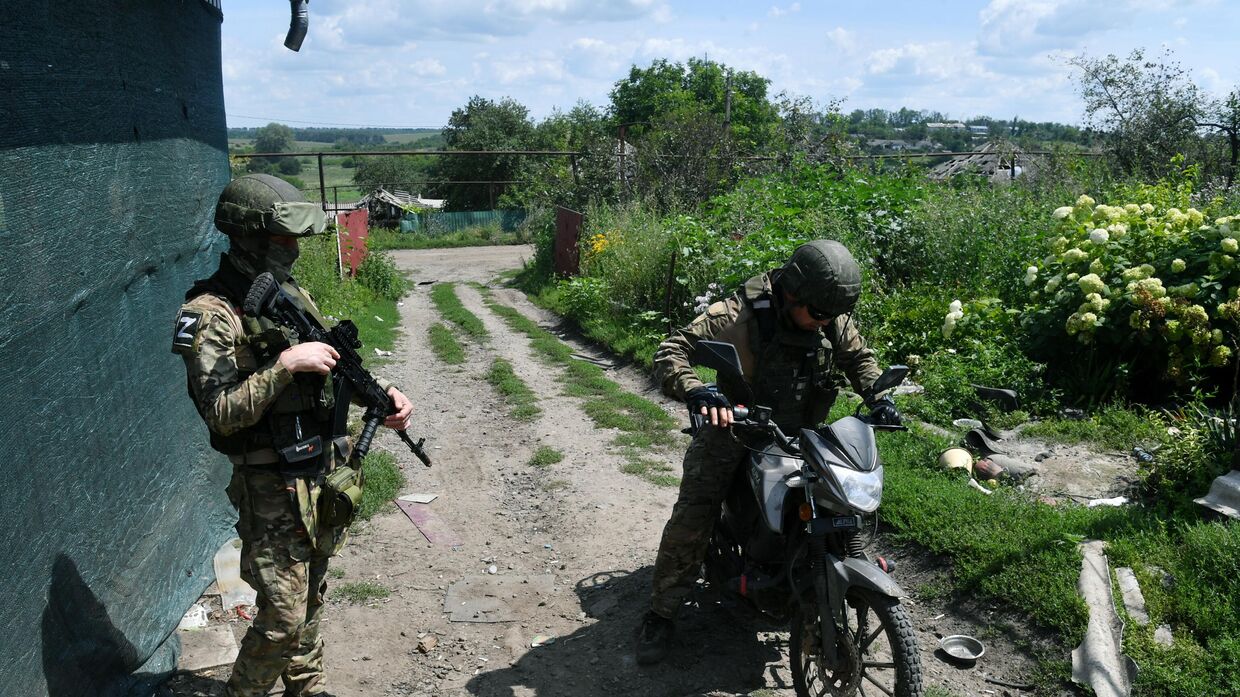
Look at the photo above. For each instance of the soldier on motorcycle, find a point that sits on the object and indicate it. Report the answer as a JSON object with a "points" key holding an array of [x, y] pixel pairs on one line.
{"points": [[792, 327]]}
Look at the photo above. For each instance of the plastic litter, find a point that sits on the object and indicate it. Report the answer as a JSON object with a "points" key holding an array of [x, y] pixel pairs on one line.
{"points": [[233, 590], [195, 617], [418, 498], [381, 352], [541, 640], [967, 423], [1115, 501]]}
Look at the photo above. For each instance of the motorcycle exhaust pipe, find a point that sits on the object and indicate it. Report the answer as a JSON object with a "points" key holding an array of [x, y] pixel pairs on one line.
{"points": [[299, 23]]}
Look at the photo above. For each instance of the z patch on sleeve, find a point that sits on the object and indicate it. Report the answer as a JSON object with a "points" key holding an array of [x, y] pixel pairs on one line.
{"points": [[185, 334]]}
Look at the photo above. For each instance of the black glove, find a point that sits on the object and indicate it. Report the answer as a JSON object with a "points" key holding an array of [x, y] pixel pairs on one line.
{"points": [[883, 412], [705, 396]]}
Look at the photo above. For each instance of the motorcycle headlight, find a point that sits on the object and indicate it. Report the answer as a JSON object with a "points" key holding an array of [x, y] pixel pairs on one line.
{"points": [[863, 490]]}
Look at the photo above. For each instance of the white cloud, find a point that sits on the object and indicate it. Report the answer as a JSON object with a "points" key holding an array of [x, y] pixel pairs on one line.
{"points": [[1016, 27], [777, 11], [843, 40]]}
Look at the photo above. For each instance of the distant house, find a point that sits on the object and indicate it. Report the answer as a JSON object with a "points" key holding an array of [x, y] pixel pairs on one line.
{"points": [[999, 162], [385, 205], [949, 126], [887, 144], [980, 130]]}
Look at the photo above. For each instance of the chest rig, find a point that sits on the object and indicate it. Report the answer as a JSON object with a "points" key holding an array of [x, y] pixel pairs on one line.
{"points": [[792, 367], [303, 410]]}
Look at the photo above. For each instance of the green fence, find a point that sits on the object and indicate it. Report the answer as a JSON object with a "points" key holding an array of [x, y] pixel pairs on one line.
{"points": [[436, 223]]}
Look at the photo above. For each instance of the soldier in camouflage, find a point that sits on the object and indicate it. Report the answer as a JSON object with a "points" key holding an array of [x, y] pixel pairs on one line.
{"points": [[792, 329], [259, 392]]}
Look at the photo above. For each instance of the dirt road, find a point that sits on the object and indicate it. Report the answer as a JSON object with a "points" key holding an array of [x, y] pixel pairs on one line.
{"points": [[564, 553]]}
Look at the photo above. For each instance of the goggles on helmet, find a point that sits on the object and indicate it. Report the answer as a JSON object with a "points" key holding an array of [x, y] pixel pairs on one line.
{"points": [[287, 218]]}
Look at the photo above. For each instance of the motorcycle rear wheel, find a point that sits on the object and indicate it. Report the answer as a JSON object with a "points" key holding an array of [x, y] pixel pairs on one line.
{"points": [[878, 651]]}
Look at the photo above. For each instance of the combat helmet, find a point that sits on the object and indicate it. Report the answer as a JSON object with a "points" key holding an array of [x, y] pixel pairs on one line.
{"points": [[823, 275], [254, 209], [260, 205]]}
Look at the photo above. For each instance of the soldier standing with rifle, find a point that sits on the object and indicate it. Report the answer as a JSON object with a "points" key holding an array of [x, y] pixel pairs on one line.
{"points": [[270, 406]]}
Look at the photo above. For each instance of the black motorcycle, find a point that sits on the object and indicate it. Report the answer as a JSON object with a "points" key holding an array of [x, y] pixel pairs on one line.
{"points": [[790, 542]]}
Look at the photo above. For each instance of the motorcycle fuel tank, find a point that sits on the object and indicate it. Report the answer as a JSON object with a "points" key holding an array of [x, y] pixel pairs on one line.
{"points": [[771, 474]]}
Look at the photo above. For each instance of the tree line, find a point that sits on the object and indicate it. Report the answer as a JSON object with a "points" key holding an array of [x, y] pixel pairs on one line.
{"points": [[677, 133]]}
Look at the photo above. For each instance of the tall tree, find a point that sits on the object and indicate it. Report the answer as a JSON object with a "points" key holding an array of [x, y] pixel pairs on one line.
{"points": [[274, 137], [483, 124], [1148, 108], [737, 99]]}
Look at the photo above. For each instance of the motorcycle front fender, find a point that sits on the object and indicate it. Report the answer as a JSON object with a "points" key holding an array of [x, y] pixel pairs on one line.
{"points": [[850, 572]]}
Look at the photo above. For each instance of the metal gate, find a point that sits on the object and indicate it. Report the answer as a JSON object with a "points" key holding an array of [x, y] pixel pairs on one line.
{"points": [[568, 225]]}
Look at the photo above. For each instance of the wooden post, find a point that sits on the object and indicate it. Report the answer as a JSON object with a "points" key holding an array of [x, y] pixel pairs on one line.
{"points": [[667, 292], [322, 187], [624, 185]]}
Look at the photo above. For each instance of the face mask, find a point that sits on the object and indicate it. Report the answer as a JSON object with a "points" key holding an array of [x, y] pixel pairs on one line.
{"points": [[279, 261]]}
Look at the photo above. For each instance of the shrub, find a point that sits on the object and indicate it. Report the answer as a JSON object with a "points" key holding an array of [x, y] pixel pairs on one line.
{"points": [[1148, 285], [378, 272]]}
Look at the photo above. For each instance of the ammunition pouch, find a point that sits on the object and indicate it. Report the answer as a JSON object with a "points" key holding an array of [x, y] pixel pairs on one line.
{"points": [[341, 496]]}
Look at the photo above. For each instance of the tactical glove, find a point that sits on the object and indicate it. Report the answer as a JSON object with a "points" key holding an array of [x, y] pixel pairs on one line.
{"points": [[883, 412], [705, 396]]}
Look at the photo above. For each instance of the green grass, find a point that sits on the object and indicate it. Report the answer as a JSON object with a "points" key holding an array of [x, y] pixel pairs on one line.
{"points": [[387, 238], [383, 482], [522, 402], [361, 592], [445, 345], [1115, 427], [644, 426], [545, 456], [654, 471], [378, 327], [443, 295], [1013, 549]]}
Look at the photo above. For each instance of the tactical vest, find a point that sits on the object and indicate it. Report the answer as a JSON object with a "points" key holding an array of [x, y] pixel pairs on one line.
{"points": [[304, 408], [792, 367]]}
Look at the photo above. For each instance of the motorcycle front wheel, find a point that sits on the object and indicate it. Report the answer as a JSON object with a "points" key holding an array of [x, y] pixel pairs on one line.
{"points": [[878, 651]]}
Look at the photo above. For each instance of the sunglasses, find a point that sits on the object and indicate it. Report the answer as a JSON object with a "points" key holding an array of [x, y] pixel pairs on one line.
{"points": [[816, 314]]}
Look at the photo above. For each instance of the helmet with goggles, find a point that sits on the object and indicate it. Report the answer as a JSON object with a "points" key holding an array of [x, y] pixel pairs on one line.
{"points": [[260, 205], [263, 216]]}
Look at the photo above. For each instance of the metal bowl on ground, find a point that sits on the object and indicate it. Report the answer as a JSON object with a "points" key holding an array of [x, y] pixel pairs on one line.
{"points": [[962, 647]]}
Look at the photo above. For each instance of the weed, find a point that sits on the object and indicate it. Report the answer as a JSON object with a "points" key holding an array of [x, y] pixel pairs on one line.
{"points": [[335, 573], [522, 402], [545, 456], [443, 295], [383, 482], [362, 592], [1114, 426], [445, 345]]}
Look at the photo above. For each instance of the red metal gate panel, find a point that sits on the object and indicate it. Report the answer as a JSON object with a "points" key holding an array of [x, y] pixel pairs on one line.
{"points": [[353, 228], [568, 225]]}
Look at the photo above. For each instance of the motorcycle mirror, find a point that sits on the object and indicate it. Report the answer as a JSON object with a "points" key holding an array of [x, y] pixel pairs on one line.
{"points": [[721, 356], [890, 378]]}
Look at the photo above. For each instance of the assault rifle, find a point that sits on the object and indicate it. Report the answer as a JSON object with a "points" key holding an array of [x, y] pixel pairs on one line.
{"points": [[349, 378]]}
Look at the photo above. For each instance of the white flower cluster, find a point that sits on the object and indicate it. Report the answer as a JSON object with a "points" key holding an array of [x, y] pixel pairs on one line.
{"points": [[1031, 275], [705, 300], [955, 313]]}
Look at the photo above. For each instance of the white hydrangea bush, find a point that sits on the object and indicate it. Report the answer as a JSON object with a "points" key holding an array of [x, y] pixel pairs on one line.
{"points": [[1137, 275]]}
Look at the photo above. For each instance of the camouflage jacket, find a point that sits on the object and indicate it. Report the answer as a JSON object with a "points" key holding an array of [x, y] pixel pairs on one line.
{"points": [[789, 369], [235, 378]]}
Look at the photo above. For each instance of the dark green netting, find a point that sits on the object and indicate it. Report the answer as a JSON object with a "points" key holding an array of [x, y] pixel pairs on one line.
{"points": [[112, 151]]}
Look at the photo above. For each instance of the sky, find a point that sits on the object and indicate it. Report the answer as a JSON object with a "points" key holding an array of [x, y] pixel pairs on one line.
{"points": [[410, 63]]}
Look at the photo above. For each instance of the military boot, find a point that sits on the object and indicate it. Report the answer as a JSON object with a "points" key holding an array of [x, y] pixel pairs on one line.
{"points": [[655, 639]]}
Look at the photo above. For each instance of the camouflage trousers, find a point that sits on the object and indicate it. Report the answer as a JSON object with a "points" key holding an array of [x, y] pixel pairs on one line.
{"points": [[709, 467], [289, 572]]}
